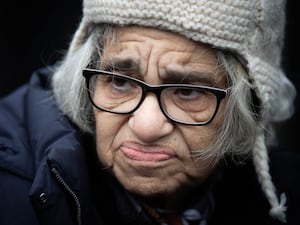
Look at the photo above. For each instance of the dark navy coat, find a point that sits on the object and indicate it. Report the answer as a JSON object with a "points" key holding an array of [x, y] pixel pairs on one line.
{"points": [[49, 172]]}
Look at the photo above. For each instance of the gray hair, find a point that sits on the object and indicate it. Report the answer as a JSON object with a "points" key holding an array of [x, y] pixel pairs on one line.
{"points": [[236, 136], [238, 132], [69, 85]]}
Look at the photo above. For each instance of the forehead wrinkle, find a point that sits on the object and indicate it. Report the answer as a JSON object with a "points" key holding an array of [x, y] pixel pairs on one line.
{"points": [[195, 67], [129, 56]]}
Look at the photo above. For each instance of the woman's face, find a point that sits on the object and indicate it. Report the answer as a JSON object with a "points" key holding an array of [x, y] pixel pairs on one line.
{"points": [[145, 151]]}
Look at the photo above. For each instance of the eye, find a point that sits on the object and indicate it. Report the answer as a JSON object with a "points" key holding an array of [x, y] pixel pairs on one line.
{"points": [[188, 93], [119, 84]]}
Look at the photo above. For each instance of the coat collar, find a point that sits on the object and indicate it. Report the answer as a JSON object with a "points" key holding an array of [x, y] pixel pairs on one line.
{"points": [[55, 144]]}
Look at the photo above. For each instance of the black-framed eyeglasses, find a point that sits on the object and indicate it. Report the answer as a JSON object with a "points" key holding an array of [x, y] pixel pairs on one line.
{"points": [[181, 103]]}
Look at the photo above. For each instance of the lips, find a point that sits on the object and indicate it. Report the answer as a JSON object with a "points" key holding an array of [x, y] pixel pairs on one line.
{"points": [[146, 153]]}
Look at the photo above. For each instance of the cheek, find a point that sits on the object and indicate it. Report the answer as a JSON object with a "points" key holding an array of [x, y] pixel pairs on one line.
{"points": [[107, 128], [200, 170], [200, 137]]}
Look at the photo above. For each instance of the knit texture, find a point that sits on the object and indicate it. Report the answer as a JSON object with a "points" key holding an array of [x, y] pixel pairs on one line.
{"points": [[251, 29]]}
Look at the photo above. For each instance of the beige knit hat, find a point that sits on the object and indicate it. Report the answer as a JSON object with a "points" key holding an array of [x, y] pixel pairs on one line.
{"points": [[252, 29]]}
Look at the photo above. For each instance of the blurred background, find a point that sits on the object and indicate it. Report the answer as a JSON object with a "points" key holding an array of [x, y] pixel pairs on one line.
{"points": [[37, 33]]}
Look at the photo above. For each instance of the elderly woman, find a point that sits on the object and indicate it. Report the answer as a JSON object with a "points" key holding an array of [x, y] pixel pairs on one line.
{"points": [[149, 118]]}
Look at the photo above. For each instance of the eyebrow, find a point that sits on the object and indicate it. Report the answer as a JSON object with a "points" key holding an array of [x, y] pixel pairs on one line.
{"points": [[116, 63], [191, 76]]}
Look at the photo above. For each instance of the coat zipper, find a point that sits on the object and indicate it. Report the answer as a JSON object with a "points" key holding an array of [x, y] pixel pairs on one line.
{"points": [[70, 192]]}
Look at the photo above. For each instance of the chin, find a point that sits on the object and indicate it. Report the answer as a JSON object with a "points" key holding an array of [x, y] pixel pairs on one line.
{"points": [[150, 187]]}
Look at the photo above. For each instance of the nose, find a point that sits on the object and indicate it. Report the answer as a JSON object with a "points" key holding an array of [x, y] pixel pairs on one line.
{"points": [[148, 122]]}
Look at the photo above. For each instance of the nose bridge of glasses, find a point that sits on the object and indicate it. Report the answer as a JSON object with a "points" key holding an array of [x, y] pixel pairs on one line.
{"points": [[154, 89], [154, 92]]}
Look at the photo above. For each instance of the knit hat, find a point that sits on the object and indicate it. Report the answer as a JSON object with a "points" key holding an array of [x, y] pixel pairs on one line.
{"points": [[252, 29]]}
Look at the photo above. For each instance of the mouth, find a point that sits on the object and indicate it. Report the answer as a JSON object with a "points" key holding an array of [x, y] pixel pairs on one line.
{"points": [[146, 153]]}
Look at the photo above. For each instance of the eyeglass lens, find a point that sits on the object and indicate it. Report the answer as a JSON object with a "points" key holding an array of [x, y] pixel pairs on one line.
{"points": [[121, 95]]}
